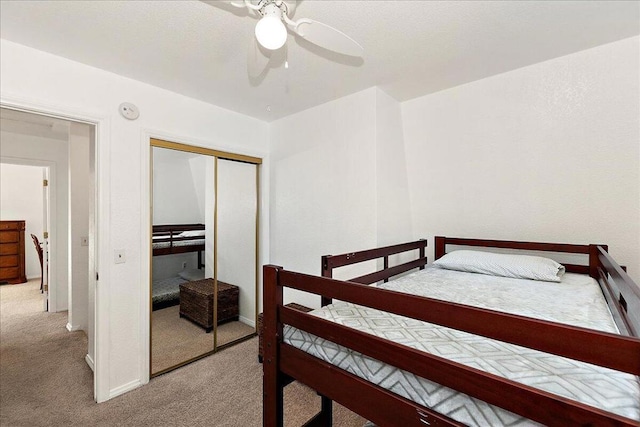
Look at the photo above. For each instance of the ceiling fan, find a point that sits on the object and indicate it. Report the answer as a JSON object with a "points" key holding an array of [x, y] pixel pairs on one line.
{"points": [[271, 31]]}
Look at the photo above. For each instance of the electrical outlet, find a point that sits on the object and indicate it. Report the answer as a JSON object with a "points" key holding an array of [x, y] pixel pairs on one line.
{"points": [[119, 256], [184, 265]]}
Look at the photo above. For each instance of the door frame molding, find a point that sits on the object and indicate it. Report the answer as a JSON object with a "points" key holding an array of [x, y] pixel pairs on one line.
{"points": [[101, 391]]}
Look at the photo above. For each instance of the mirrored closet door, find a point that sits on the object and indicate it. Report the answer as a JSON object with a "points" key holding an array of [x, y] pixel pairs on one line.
{"points": [[204, 252], [236, 242]]}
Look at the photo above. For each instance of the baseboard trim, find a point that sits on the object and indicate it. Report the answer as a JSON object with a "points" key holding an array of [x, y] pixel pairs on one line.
{"points": [[72, 328], [89, 361], [247, 321], [115, 392]]}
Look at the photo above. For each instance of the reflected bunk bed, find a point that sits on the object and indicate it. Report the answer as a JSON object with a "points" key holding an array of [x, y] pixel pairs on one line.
{"points": [[179, 239], [318, 350], [170, 240]]}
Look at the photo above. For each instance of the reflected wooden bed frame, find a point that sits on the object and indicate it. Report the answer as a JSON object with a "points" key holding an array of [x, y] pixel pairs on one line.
{"points": [[170, 234], [284, 363]]}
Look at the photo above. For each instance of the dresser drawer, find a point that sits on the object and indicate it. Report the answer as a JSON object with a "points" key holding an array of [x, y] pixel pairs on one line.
{"points": [[8, 225], [9, 236], [8, 272], [12, 259], [9, 249], [9, 261]]}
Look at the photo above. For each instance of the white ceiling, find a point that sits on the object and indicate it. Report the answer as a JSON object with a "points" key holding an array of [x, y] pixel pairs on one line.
{"points": [[412, 48]]}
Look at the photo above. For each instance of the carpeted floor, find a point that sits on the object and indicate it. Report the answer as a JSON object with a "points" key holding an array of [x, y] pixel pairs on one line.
{"points": [[44, 380]]}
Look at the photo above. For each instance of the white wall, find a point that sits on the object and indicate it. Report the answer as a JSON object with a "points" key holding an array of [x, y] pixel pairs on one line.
{"points": [[323, 184], [79, 197], [21, 199], [37, 149], [44, 81], [393, 203], [178, 187], [548, 152]]}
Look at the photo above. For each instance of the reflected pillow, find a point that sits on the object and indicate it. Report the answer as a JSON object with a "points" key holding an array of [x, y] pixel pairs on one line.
{"points": [[191, 274], [505, 265], [194, 233]]}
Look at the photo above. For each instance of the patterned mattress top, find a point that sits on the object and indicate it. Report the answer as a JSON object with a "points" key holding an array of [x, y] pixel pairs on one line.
{"points": [[577, 300]]}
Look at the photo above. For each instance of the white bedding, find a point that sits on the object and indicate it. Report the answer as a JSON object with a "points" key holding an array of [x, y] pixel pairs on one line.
{"points": [[576, 300]]}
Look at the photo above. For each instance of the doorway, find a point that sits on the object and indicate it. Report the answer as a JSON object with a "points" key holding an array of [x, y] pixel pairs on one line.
{"points": [[24, 210], [65, 150]]}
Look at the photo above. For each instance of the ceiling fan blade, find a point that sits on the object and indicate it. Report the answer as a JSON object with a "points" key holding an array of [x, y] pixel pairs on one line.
{"points": [[257, 59], [327, 37]]}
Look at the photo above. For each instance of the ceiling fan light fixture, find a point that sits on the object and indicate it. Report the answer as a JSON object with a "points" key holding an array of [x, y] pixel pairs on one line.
{"points": [[271, 32]]}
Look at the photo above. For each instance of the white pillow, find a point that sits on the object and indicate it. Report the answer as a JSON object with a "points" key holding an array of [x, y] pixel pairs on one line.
{"points": [[505, 265], [191, 275], [194, 233]]}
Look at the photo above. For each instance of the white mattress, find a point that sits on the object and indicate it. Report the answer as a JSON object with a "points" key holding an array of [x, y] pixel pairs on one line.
{"points": [[577, 300]]}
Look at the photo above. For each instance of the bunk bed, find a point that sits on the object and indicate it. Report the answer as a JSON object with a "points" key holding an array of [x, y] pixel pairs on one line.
{"points": [[178, 239], [303, 346], [170, 240]]}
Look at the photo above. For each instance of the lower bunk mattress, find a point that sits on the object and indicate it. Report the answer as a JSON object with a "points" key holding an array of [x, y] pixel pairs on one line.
{"points": [[576, 300], [166, 292]]}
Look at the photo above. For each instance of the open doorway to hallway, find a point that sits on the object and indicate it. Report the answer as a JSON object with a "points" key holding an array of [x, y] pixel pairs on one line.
{"points": [[24, 210], [64, 150]]}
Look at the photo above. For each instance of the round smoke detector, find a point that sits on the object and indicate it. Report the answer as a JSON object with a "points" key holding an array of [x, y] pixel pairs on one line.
{"points": [[129, 111]]}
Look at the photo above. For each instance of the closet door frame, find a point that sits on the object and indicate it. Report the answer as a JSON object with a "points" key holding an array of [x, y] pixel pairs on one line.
{"points": [[215, 154]]}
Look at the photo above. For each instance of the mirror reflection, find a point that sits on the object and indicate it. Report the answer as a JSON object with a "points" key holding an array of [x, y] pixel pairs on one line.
{"points": [[236, 256], [204, 247], [182, 247]]}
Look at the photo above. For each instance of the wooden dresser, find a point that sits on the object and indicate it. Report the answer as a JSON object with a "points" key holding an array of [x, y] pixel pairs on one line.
{"points": [[12, 252]]}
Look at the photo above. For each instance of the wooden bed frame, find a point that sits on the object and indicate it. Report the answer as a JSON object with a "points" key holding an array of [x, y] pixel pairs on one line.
{"points": [[284, 363], [170, 234]]}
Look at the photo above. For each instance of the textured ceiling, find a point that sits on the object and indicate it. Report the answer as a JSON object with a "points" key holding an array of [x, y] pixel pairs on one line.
{"points": [[412, 48]]}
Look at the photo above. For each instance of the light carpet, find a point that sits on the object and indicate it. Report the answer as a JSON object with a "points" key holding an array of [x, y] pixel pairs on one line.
{"points": [[44, 380]]}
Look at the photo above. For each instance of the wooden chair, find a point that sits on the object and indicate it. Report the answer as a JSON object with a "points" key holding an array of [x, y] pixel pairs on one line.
{"points": [[38, 246]]}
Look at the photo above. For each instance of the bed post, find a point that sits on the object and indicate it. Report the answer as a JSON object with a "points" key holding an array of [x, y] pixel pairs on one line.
{"points": [[594, 260], [326, 272], [421, 251], [439, 247], [272, 384]]}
